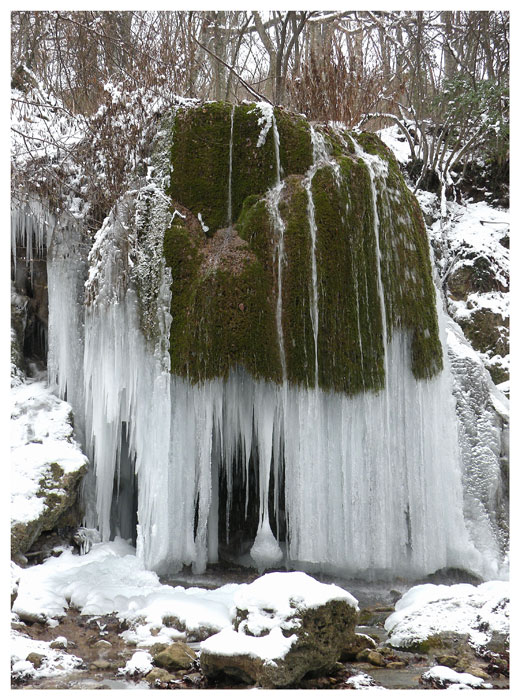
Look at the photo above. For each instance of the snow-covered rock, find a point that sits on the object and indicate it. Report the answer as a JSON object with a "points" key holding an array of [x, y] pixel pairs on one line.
{"points": [[444, 677], [46, 462], [139, 664], [111, 579], [285, 626], [429, 616]]}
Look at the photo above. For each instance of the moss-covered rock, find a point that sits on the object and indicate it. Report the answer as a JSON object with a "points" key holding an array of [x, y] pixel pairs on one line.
{"points": [[203, 140], [223, 253], [322, 634], [175, 657], [60, 492]]}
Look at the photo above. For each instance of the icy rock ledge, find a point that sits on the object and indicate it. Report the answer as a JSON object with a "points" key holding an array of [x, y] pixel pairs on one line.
{"points": [[285, 625]]}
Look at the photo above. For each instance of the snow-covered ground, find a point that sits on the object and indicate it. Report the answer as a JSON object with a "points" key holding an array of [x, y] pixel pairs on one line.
{"points": [[111, 579], [54, 661]]}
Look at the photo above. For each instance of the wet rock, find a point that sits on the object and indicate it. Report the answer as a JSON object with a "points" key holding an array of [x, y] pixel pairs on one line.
{"points": [[159, 677], [374, 616], [178, 656], [499, 643], [375, 658], [157, 647], [35, 659], [101, 664], [357, 643], [447, 660], [478, 672], [32, 617], [102, 644], [59, 643], [396, 665]]}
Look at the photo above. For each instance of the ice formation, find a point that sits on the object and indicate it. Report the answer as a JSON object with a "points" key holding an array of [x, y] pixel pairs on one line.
{"points": [[354, 484]]}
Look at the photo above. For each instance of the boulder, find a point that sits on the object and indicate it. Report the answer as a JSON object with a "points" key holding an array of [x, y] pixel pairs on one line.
{"points": [[286, 625], [158, 677], [175, 657]]}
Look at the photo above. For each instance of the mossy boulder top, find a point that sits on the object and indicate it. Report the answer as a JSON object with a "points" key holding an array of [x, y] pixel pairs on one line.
{"points": [[278, 256]]}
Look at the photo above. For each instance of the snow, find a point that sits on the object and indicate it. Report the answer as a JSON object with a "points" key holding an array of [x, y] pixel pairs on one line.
{"points": [[463, 609], [265, 120], [271, 646], [111, 579], [393, 137], [473, 232], [362, 681], [273, 599], [448, 677], [203, 225], [140, 663], [41, 435]]}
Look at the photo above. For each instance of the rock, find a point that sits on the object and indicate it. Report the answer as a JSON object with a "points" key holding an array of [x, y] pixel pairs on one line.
{"points": [[357, 643], [395, 665], [499, 643], [375, 615], [447, 660], [59, 643], [157, 647], [478, 672], [102, 643], [35, 659], [281, 635], [375, 658], [101, 664], [158, 676], [176, 657]]}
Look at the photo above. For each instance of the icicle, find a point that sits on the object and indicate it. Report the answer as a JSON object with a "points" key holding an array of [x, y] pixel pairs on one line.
{"points": [[371, 482], [265, 551]]}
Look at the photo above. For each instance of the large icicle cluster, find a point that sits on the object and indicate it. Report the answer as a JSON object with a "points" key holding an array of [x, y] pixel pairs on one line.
{"points": [[368, 482]]}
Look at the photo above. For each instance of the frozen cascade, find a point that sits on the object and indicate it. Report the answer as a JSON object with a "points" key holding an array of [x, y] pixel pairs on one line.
{"points": [[368, 483], [180, 435]]}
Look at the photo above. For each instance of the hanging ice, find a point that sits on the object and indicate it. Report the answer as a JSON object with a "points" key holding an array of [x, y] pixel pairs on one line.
{"points": [[322, 479]]}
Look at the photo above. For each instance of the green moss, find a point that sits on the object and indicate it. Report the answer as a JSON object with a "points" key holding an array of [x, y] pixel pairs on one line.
{"points": [[235, 325], [350, 347], [182, 255], [297, 286], [201, 139], [225, 314], [222, 315], [295, 143], [200, 161], [254, 227]]}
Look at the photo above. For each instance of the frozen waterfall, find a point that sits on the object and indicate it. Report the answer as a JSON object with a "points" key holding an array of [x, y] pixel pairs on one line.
{"points": [[363, 484]]}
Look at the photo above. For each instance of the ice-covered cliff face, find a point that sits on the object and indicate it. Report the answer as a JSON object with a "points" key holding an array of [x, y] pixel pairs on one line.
{"points": [[262, 370]]}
